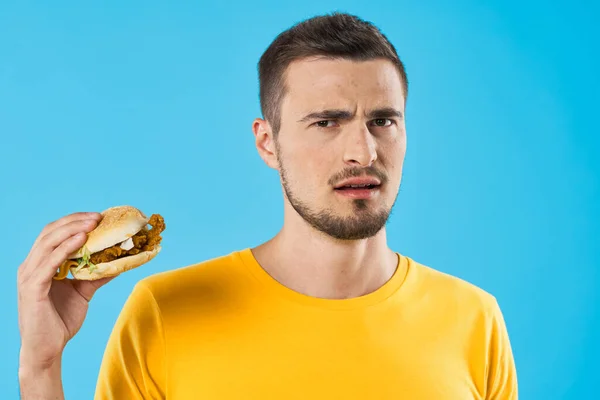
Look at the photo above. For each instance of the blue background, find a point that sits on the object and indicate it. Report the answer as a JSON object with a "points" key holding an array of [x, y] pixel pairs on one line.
{"points": [[150, 104]]}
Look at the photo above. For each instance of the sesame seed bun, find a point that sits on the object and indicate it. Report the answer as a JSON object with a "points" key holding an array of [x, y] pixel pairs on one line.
{"points": [[117, 225]]}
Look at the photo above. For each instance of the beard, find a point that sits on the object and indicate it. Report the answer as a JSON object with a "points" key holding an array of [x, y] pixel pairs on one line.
{"points": [[365, 222]]}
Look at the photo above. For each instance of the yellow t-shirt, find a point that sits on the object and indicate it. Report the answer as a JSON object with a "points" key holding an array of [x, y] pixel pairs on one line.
{"points": [[225, 329]]}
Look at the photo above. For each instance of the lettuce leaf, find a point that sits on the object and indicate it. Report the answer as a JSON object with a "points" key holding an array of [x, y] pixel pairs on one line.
{"points": [[85, 260]]}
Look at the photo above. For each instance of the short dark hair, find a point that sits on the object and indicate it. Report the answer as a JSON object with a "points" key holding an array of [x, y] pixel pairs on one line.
{"points": [[335, 35]]}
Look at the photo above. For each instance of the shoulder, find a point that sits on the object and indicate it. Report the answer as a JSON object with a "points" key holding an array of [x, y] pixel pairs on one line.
{"points": [[196, 270], [452, 290], [216, 275]]}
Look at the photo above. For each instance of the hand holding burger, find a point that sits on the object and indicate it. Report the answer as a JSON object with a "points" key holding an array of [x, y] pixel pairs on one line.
{"points": [[94, 247]]}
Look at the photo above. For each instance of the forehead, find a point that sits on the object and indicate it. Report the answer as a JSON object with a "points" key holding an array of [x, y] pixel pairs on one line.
{"points": [[325, 83]]}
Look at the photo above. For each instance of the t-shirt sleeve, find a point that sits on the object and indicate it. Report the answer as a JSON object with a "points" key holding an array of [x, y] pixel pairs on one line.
{"points": [[501, 370], [133, 365]]}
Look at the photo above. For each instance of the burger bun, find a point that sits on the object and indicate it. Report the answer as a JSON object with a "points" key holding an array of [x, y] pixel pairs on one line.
{"points": [[118, 224]]}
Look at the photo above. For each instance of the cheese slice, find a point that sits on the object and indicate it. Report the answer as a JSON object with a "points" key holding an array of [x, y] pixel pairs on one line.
{"points": [[63, 271]]}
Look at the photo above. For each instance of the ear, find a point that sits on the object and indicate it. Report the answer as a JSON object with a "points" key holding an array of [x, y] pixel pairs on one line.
{"points": [[264, 142]]}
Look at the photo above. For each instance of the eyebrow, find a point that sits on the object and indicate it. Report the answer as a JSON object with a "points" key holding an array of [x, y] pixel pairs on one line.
{"points": [[344, 115], [386, 112], [327, 114]]}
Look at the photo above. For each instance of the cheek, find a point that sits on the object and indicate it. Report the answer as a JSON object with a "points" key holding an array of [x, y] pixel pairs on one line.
{"points": [[309, 170], [393, 152], [299, 164], [392, 159], [400, 142]]}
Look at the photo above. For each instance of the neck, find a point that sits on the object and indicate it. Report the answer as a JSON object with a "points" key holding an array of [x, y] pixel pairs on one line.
{"points": [[314, 264]]}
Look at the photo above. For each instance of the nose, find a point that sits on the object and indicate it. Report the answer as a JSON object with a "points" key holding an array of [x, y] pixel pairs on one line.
{"points": [[360, 149]]}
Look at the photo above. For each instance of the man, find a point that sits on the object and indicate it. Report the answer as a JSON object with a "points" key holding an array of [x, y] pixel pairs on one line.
{"points": [[323, 310]]}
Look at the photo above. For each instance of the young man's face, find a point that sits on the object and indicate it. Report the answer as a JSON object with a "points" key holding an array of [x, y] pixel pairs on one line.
{"points": [[356, 130]]}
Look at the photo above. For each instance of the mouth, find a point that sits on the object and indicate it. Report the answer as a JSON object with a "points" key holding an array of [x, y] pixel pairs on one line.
{"points": [[358, 191]]}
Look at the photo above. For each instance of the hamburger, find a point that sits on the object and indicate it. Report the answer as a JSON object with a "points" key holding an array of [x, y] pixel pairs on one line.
{"points": [[120, 242]]}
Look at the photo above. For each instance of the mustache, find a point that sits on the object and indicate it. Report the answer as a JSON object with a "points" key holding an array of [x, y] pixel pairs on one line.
{"points": [[355, 172]]}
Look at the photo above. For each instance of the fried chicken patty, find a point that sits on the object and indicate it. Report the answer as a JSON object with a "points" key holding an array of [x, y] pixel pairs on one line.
{"points": [[144, 240]]}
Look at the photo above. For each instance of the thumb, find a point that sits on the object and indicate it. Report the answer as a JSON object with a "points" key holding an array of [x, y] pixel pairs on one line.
{"points": [[88, 288]]}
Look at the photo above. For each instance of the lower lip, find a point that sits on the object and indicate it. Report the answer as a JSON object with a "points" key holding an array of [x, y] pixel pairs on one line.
{"points": [[358, 193]]}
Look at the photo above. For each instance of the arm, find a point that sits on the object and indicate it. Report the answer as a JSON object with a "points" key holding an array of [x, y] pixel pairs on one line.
{"points": [[51, 311], [41, 382], [133, 366], [502, 374]]}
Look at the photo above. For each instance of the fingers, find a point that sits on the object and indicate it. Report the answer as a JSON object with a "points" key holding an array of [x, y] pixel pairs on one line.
{"points": [[53, 239], [67, 220], [34, 277], [53, 261], [35, 280], [87, 288], [63, 221]]}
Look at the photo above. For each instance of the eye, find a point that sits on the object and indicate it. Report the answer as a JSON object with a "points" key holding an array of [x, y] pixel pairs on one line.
{"points": [[382, 122], [323, 124]]}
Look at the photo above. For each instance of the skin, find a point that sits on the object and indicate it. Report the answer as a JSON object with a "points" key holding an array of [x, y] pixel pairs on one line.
{"points": [[51, 312], [323, 249]]}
